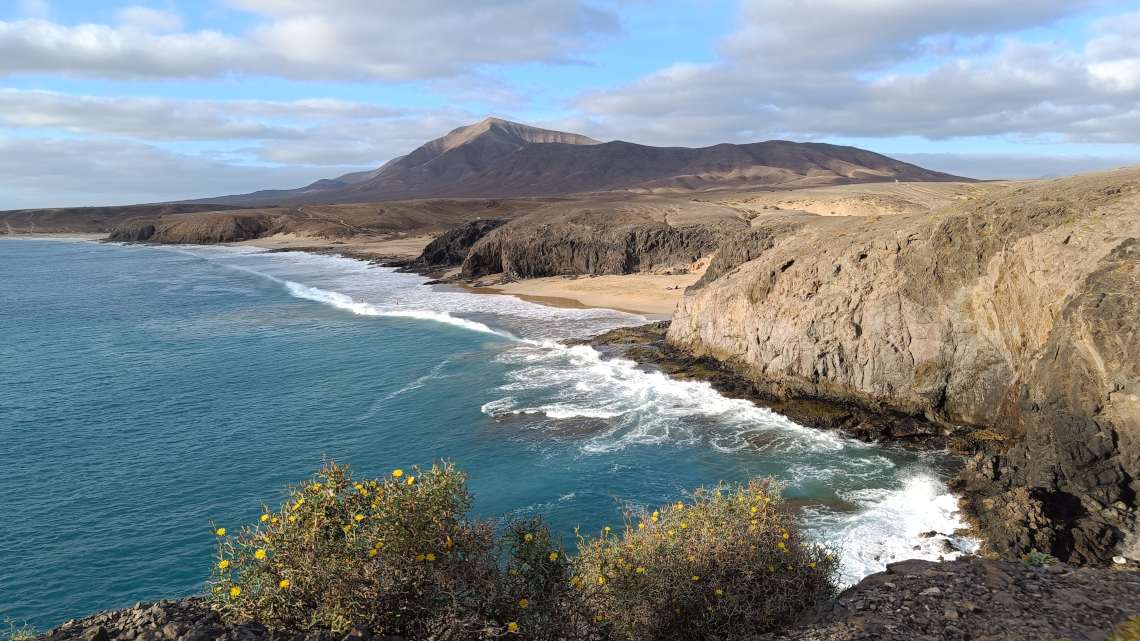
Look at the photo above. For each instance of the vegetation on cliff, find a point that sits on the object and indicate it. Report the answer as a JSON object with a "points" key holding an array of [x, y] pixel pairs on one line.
{"points": [[400, 556]]}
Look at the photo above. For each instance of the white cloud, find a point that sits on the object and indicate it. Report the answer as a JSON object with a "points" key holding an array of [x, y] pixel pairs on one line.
{"points": [[835, 71], [314, 39], [67, 173]]}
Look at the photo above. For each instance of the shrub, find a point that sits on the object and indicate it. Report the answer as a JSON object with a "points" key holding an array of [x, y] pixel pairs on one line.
{"points": [[399, 556], [18, 632], [395, 556], [1127, 631], [729, 564]]}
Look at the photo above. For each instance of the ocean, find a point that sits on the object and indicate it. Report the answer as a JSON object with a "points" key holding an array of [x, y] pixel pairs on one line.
{"points": [[146, 392]]}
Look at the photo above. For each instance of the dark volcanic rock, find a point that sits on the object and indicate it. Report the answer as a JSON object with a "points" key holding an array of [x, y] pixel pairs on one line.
{"points": [[647, 344], [199, 229], [183, 620], [451, 249], [976, 599], [587, 244], [1068, 485]]}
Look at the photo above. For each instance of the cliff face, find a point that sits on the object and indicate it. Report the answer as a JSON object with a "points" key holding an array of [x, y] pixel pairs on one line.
{"points": [[451, 248], [599, 237], [201, 229], [1016, 311]]}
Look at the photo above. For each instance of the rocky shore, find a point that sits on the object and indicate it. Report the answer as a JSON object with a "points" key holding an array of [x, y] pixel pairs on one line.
{"points": [[967, 599], [1012, 317]]}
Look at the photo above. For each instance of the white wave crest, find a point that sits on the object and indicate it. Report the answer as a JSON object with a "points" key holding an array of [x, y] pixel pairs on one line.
{"points": [[889, 526], [361, 308]]}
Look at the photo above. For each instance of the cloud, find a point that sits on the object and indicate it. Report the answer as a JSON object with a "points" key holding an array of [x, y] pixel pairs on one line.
{"points": [[315, 39], [869, 69], [298, 132], [1017, 166], [59, 172]]}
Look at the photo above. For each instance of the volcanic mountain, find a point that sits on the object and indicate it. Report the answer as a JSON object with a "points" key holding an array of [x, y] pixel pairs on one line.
{"points": [[498, 158]]}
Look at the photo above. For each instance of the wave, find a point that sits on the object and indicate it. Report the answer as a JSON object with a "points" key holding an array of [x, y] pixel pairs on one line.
{"points": [[918, 520], [361, 308]]}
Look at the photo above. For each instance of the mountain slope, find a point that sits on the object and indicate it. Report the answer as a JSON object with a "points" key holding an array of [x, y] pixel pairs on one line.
{"points": [[497, 158]]}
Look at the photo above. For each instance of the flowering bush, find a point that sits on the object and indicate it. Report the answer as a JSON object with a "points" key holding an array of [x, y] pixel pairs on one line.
{"points": [[395, 555], [728, 565], [399, 556]]}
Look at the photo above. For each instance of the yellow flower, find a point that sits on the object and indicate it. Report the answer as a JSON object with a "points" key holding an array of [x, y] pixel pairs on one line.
{"points": [[292, 519], [528, 537], [641, 526], [276, 520], [358, 518], [283, 584], [397, 473], [640, 570], [782, 547], [379, 545], [259, 554], [811, 565], [223, 564], [606, 529], [411, 480], [420, 557], [684, 525], [601, 580], [513, 627], [754, 509], [655, 516], [315, 487], [524, 603], [785, 535], [235, 591], [575, 581], [220, 531], [430, 556], [373, 552], [264, 518], [553, 556]]}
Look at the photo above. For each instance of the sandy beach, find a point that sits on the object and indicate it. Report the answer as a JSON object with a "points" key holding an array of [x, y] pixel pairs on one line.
{"points": [[653, 295]]}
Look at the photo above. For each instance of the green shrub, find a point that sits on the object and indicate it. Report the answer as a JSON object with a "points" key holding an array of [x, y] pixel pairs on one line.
{"points": [[399, 556], [395, 556], [727, 565], [1127, 631]]}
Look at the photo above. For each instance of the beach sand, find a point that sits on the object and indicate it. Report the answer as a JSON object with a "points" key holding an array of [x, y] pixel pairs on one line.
{"points": [[359, 246], [653, 295]]}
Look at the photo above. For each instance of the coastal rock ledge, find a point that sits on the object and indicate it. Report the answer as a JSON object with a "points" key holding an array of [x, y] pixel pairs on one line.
{"points": [[1014, 316], [967, 599]]}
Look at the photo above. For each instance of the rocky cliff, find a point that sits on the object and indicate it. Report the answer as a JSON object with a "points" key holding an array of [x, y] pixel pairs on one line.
{"points": [[603, 237], [911, 601], [1015, 312]]}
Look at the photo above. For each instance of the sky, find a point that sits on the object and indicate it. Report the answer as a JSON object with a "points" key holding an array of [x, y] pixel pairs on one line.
{"points": [[105, 102]]}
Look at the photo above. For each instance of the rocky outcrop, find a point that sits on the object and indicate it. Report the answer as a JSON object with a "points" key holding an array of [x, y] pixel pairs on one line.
{"points": [[969, 598], [591, 241], [1014, 312], [183, 620], [978, 600], [200, 229], [451, 249]]}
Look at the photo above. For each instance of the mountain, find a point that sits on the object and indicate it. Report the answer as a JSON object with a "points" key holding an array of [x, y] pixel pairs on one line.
{"points": [[498, 158]]}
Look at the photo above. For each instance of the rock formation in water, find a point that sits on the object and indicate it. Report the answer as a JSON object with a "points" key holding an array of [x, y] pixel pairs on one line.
{"points": [[1015, 313]]}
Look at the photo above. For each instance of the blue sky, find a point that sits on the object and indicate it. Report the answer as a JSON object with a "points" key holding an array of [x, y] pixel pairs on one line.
{"points": [[106, 102]]}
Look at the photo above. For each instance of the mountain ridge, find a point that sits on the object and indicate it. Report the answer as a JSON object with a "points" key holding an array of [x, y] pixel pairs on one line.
{"points": [[497, 158]]}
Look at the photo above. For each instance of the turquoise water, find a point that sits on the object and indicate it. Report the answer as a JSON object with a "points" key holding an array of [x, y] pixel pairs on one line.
{"points": [[147, 391]]}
